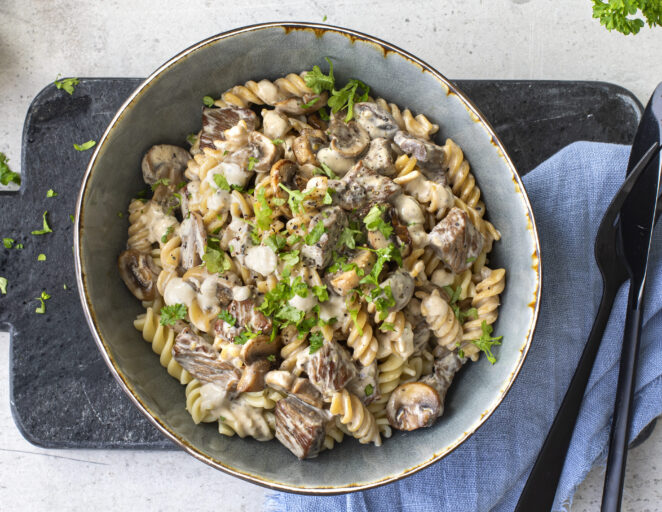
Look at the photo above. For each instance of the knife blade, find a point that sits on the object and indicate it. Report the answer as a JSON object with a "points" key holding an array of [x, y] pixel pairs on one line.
{"points": [[636, 225]]}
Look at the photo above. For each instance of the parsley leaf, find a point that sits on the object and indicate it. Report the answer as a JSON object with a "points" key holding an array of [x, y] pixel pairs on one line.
{"points": [[315, 234], [347, 96], [216, 260], [227, 317], [221, 182], [316, 340], [327, 197], [290, 258], [51, 193], [453, 300], [390, 253], [277, 142], [318, 81], [295, 198], [486, 341], [208, 101], [321, 293], [85, 145], [3, 285], [46, 228], [289, 314], [369, 390], [374, 221], [41, 257], [161, 181], [167, 233], [263, 213], [246, 335], [170, 314], [42, 309], [251, 163], [310, 103], [192, 138], [275, 242], [6, 175], [616, 14], [324, 116], [8, 242], [66, 84], [349, 237]]}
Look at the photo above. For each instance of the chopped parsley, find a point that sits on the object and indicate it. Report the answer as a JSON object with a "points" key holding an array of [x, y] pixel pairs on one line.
{"points": [[486, 341], [277, 142], [271, 358], [66, 84], [263, 213], [72, 218], [324, 115], [471, 260], [295, 199], [161, 181], [315, 234], [85, 145], [227, 318], [170, 314], [383, 300], [44, 297], [8, 242], [347, 96], [321, 293], [350, 236], [310, 103], [45, 229], [18, 246], [275, 242], [3, 285], [251, 163], [192, 138], [390, 253], [316, 340], [216, 260], [165, 236], [293, 239], [374, 221], [245, 336], [387, 326], [7, 175], [454, 297], [208, 101], [41, 257], [318, 81], [369, 390], [327, 196]]}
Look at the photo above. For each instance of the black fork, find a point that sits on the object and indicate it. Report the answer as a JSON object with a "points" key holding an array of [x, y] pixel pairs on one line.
{"points": [[540, 488]]}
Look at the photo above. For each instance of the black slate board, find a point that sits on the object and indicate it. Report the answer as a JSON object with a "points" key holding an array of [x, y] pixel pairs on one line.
{"points": [[62, 394]]}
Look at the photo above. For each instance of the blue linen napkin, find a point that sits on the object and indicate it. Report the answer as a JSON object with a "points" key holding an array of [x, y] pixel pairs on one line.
{"points": [[569, 193]]}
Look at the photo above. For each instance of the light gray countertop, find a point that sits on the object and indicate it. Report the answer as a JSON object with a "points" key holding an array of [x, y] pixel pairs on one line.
{"points": [[526, 39]]}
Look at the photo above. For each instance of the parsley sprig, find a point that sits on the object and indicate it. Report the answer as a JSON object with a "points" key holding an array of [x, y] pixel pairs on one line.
{"points": [[487, 341], [7, 175], [618, 14], [374, 221], [170, 314], [454, 295]]}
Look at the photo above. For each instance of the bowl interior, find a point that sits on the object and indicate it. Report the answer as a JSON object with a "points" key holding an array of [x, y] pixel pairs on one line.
{"points": [[165, 110]]}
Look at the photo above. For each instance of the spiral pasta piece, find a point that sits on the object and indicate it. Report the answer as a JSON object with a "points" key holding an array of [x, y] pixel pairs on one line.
{"points": [[360, 337], [462, 181], [195, 405], [438, 199], [442, 320], [162, 339], [419, 126], [356, 417], [486, 301], [264, 92]]}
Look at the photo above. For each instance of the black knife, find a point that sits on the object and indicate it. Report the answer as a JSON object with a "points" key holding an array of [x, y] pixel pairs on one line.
{"points": [[636, 224]]}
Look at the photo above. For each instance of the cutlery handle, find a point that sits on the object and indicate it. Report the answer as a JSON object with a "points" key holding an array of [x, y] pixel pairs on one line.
{"points": [[540, 488], [620, 428]]}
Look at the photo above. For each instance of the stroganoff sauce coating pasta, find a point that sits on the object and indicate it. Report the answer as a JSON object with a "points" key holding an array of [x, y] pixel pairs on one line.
{"points": [[314, 266]]}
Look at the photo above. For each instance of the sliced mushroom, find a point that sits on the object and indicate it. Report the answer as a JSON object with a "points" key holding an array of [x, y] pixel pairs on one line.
{"points": [[413, 405], [286, 172], [139, 273], [194, 240], [301, 427], [197, 356], [216, 120], [347, 139], [305, 105], [165, 162], [380, 157], [344, 281], [336, 162], [263, 152], [375, 120], [246, 314], [258, 348], [402, 288], [252, 378], [429, 156], [306, 146]]}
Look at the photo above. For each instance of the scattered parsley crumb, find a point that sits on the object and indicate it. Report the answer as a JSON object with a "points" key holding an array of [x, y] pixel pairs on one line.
{"points": [[85, 145], [51, 193], [45, 229], [44, 297], [66, 84], [3, 285], [41, 257], [208, 101]]}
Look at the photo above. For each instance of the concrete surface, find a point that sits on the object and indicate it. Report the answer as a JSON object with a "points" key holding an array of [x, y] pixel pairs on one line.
{"points": [[533, 39]]}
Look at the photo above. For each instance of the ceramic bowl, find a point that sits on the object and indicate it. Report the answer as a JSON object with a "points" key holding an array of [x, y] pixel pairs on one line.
{"points": [[164, 109]]}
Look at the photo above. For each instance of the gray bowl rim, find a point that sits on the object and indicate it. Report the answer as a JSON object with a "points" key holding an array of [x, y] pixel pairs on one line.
{"points": [[116, 371]]}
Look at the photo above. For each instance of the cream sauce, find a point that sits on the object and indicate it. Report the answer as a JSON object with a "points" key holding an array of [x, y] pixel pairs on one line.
{"points": [[157, 222], [338, 163], [410, 214], [304, 304], [334, 308], [261, 259], [178, 291]]}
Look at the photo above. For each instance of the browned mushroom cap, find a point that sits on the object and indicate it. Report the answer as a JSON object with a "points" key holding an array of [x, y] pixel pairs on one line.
{"points": [[317, 122], [348, 139], [258, 348], [263, 151], [138, 273], [413, 405], [307, 104], [252, 378], [164, 161], [306, 145], [286, 172], [194, 240], [375, 120], [402, 288], [216, 120]]}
